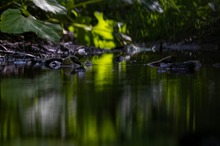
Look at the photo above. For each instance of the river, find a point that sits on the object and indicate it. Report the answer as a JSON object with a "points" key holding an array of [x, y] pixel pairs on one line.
{"points": [[111, 104]]}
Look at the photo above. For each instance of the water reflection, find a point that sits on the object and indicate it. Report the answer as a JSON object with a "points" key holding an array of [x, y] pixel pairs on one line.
{"points": [[110, 104], [43, 116]]}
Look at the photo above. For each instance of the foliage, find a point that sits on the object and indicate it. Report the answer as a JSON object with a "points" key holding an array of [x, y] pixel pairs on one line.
{"points": [[51, 6], [103, 34], [18, 21], [12, 21], [163, 19], [105, 23]]}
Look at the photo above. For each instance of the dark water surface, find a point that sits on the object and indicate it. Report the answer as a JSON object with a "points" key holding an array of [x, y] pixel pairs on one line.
{"points": [[111, 104]]}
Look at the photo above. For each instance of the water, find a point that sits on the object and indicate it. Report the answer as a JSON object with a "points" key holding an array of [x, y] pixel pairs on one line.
{"points": [[111, 104]]}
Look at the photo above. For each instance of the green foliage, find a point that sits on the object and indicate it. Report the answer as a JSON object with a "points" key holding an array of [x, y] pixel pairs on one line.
{"points": [[163, 19], [50, 5], [143, 20], [12, 21], [18, 21], [103, 34]]}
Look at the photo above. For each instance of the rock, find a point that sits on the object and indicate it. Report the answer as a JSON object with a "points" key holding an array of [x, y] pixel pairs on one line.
{"points": [[122, 58], [88, 63], [54, 63], [75, 60], [82, 52], [21, 62]]}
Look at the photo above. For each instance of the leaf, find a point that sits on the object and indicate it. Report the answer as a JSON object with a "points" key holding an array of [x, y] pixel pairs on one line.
{"points": [[103, 28], [50, 5], [12, 21]]}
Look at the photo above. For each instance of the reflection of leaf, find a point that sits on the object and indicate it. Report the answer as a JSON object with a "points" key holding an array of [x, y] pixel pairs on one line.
{"points": [[104, 64], [50, 5], [13, 22]]}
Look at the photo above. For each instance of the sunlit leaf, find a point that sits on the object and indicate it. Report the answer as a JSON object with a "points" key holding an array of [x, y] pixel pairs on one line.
{"points": [[50, 5], [12, 21], [103, 28], [101, 35]]}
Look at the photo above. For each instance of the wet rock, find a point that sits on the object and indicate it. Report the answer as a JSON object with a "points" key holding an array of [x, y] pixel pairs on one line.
{"points": [[69, 47], [131, 49], [70, 63], [122, 58], [88, 63], [76, 60], [82, 51], [22, 62], [54, 63], [119, 58], [67, 61]]}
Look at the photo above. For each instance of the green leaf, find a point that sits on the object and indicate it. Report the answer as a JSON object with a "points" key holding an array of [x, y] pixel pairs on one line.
{"points": [[12, 21], [103, 28], [50, 5]]}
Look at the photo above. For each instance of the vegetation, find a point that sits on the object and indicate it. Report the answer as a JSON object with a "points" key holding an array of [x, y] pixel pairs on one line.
{"points": [[111, 102], [105, 23]]}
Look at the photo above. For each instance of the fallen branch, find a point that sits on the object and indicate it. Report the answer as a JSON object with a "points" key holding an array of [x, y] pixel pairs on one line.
{"points": [[4, 47], [14, 53]]}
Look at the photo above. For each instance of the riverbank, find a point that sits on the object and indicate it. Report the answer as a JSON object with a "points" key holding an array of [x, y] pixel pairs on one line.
{"points": [[28, 49]]}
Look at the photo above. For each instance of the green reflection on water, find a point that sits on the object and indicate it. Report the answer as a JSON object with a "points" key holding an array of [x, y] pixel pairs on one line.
{"points": [[110, 104], [103, 74]]}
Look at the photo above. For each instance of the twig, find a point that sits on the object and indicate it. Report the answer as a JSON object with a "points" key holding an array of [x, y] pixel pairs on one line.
{"points": [[4, 47], [20, 53]]}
